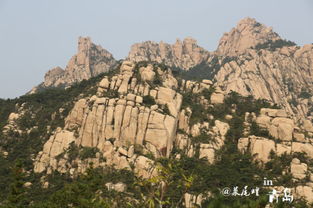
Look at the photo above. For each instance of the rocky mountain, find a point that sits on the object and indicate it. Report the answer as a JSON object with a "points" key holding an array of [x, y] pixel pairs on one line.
{"points": [[282, 76], [144, 135], [90, 61], [256, 61], [247, 34], [253, 60], [183, 54]]}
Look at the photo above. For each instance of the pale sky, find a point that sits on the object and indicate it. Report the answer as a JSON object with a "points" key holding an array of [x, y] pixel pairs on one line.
{"points": [[37, 35]]}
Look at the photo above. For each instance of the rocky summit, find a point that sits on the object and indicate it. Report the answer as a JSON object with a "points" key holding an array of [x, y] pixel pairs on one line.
{"points": [[89, 61], [247, 34], [169, 126], [183, 54]]}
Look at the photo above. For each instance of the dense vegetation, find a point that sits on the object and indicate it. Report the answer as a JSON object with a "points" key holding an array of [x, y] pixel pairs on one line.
{"points": [[46, 111], [204, 70], [272, 45]]}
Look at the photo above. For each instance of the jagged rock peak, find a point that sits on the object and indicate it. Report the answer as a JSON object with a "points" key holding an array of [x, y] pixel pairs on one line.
{"points": [[182, 54], [53, 75], [89, 61], [248, 33]]}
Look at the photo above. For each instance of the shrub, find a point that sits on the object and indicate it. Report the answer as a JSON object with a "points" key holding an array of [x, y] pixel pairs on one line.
{"points": [[305, 94], [204, 70], [148, 100], [111, 94], [166, 110], [73, 152], [257, 131], [88, 152], [272, 45]]}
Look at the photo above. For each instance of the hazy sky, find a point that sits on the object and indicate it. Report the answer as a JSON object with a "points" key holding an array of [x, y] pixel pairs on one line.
{"points": [[36, 35]]}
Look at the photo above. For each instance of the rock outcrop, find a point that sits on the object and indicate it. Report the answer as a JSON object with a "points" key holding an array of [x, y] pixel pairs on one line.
{"points": [[248, 33], [282, 76], [183, 54], [284, 137], [119, 123], [89, 61]]}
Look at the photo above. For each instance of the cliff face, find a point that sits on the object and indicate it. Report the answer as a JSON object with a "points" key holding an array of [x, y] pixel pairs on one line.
{"points": [[117, 118], [89, 61], [183, 54], [255, 61], [283, 76]]}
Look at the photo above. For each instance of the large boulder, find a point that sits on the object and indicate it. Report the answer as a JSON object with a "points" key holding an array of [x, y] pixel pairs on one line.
{"points": [[303, 147], [206, 151], [144, 167], [306, 192], [298, 169], [147, 73], [258, 146], [307, 125], [217, 98], [282, 128]]}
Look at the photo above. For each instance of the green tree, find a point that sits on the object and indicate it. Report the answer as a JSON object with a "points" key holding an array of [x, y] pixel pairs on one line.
{"points": [[17, 194]]}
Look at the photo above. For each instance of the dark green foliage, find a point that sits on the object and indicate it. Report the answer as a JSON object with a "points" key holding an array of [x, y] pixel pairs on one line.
{"points": [[305, 94], [166, 110], [73, 152], [198, 111], [198, 114], [276, 166], [148, 100], [219, 111], [204, 70], [111, 94], [293, 102], [188, 99], [240, 104], [228, 59], [247, 104], [88, 152], [236, 202], [17, 194], [86, 191], [203, 138], [258, 131], [272, 45], [41, 110], [6, 107], [157, 80], [26, 121]]}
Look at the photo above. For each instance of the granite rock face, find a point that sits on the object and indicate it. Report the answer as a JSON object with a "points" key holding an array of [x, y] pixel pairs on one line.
{"points": [[123, 127], [183, 54], [282, 76], [248, 33], [117, 125]]}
